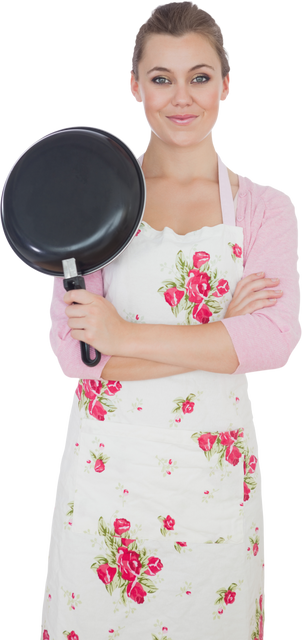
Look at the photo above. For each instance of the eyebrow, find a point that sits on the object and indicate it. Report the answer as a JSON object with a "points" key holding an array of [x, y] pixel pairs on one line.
{"points": [[197, 66]]}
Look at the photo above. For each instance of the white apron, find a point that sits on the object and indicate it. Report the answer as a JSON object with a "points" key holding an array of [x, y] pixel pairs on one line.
{"points": [[158, 531]]}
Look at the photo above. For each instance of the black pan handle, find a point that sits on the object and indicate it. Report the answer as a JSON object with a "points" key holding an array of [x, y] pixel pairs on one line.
{"points": [[78, 282]]}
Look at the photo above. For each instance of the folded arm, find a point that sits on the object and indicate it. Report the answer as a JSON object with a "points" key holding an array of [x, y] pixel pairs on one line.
{"points": [[257, 335], [129, 368], [262, 333], [206, 347]]}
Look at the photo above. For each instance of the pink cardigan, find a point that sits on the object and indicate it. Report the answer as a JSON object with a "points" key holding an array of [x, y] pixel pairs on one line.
{"points": [[263, 339]]}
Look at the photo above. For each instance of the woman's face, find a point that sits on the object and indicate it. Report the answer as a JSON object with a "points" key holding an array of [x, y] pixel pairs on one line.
{"points": [[180, 76]]}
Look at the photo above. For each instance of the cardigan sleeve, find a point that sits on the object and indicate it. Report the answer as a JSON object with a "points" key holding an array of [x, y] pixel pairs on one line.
{"points": [[64, 346], [265, 338]]}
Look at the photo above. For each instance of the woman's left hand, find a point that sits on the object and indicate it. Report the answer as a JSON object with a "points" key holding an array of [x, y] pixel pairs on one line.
{"points": [[95, 321]]}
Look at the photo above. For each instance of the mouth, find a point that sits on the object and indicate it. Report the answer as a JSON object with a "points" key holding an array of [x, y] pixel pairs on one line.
{"points": [[182, 120]]}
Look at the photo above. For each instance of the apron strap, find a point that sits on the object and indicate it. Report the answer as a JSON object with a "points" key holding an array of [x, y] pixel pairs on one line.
{"points": [[226, 196]]}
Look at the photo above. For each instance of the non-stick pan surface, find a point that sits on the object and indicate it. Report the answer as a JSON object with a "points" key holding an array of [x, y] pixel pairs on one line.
{"points": [[77, 193]]}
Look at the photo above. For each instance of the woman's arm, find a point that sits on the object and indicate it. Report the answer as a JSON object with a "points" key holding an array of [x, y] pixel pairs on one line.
{"points": [[63, 348], [207, 347], [125, 369]]}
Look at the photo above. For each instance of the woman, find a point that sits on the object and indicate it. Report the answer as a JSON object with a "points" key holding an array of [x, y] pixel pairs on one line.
{"points": [[158, 529]]}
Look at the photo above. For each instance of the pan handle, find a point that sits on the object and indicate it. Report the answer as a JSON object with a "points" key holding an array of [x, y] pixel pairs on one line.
{"points": [[78, 282]]}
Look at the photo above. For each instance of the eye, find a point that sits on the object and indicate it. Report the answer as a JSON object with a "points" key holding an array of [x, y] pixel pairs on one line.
{"points": [[201, 79], [206, 78], [159, 79]]}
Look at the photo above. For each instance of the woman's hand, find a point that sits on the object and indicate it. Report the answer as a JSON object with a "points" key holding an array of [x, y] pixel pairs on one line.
{"points": [[252, 294], [94, 320]]}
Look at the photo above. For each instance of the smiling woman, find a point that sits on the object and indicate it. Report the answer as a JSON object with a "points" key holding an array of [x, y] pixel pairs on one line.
{"points": [[158, 521], [181, 107], [182, 96]]}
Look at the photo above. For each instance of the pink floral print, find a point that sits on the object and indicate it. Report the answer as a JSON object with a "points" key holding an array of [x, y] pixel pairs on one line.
{"points": [[98, 460], [259, 620], [236, 251], [71, 635], [125, 567], [226, 597], [196, 288], [69, 514], [183, 407], [168, 524], [131, 564], [73, 600], [161, 634], [253, 549], [93, 396], [230, 447]]}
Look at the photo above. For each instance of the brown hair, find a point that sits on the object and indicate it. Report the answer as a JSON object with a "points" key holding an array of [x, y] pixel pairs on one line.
{"points": [[177, 19]]}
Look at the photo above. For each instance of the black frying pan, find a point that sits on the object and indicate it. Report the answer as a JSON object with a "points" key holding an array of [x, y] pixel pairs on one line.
{"points": [[72, 203]]}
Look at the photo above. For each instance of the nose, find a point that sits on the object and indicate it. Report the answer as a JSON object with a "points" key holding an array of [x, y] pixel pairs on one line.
{"points": [[182, 95]]}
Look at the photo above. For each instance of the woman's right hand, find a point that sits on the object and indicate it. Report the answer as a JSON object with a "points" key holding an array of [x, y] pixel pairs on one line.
{"points": [[252, 294]]}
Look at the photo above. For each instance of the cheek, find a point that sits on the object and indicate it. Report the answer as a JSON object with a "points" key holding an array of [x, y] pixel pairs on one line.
{"points": [[210, 99], [155, 101]]}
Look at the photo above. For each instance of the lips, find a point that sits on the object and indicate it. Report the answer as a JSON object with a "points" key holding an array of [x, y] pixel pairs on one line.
{"points": [[183, 119]]}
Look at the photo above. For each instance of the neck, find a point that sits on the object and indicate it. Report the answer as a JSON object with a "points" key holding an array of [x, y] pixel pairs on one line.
{"points": [[162, 160]]}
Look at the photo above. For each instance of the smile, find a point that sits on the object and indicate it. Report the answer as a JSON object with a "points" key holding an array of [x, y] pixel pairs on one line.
{"points": [[182, 120]]}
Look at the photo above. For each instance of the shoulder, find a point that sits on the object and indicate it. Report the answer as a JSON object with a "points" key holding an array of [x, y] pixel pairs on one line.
{"points": [[260, 194], [233, 177]]}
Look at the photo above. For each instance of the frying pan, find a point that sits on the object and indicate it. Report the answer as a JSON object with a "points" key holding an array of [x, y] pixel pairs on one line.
{"points": [[72, 203]]}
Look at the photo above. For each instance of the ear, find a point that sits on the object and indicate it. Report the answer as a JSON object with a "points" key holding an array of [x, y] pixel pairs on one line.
{"points": [[133, 88], [227, 88]]}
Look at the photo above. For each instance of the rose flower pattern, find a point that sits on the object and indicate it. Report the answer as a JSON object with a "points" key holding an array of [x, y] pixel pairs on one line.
{"points": [[94, 395]]}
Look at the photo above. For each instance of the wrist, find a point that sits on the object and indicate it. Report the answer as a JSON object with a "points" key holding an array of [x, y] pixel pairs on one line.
{"points": [[127, 342]]}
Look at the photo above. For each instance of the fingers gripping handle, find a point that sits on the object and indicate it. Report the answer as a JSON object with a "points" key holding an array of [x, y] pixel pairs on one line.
{"points": [[78, 282], [73, 281]]}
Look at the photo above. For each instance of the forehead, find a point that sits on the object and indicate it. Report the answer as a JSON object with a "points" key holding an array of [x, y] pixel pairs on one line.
{"points": [[184, 51]]}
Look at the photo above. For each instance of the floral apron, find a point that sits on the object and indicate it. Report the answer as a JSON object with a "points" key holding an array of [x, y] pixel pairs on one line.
{"points": [[158, 531]]}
